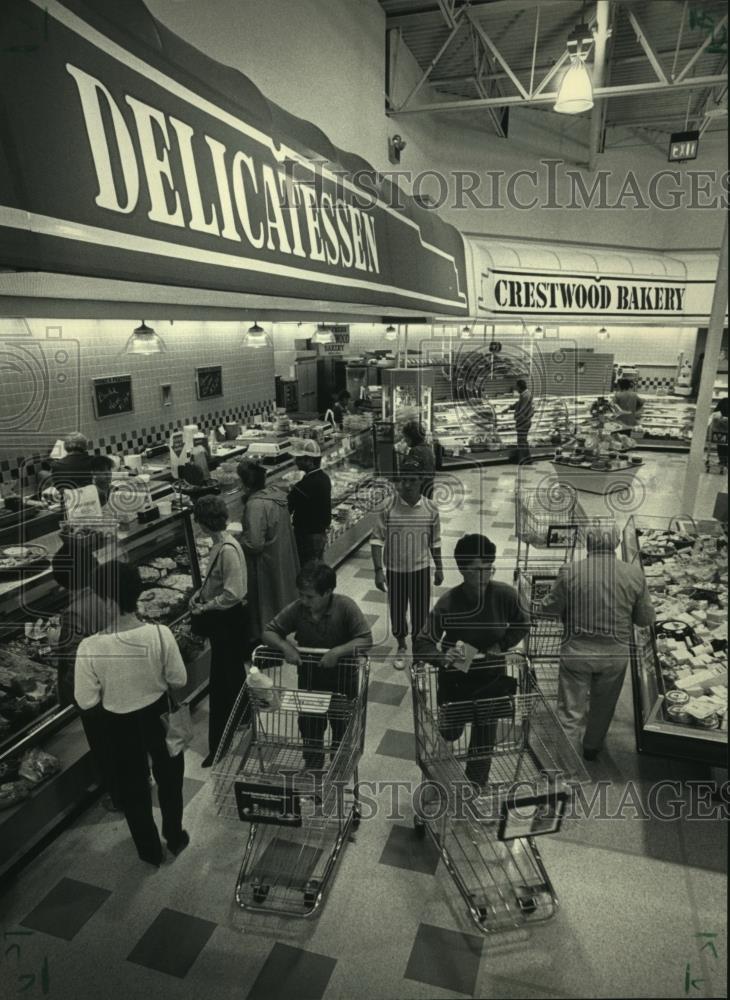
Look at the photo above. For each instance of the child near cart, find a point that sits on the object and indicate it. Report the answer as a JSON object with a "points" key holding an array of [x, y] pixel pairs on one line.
{"points": [[405, 541], [480, 616], [321, 619]]}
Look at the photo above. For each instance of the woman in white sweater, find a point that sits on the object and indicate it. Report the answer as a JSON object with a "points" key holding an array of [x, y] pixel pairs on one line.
{"points": [[128, 668]]}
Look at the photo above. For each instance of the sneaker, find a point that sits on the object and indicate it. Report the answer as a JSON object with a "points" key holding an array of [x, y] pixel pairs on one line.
{"points": [[399, 661], [208, 762]]}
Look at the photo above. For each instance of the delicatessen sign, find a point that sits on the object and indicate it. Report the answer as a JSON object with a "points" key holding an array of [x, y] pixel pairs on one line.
{"points": [[129, 166], [530, 291]]}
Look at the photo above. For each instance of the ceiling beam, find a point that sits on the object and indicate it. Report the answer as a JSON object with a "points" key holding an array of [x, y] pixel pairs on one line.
{"points": [[427, 72], [647, 47], [600, 41], [625, 90], [489, 44], [705, 45], [431, 16]]}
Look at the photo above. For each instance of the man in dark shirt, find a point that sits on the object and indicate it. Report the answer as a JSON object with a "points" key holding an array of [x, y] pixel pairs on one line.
{"points": [[486, 616], [310, 502], [75, 470], [524, 410], [321, 619]]}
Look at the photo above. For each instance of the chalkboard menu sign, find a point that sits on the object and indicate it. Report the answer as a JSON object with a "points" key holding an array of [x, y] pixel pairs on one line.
{"points": [[112, 395], [209, 382]]}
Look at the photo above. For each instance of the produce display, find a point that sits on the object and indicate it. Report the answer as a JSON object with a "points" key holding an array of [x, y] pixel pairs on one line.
{"points": [[687, 575]]}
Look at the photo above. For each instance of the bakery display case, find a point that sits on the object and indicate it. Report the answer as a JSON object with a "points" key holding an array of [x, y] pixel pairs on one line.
{"points": [[34, 726], [679, 667], [665, 423]]}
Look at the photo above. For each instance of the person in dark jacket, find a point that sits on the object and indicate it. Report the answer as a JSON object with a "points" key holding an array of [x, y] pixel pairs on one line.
{"points": [[486, 619], [310, 502], [341, 407], [524, 410], [75, 470], [415, 438]]}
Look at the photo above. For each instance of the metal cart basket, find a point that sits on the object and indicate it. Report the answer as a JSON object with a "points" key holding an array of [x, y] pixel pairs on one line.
{"points": [[543, 641], [299, 814], [485, 834], [546, 518]]}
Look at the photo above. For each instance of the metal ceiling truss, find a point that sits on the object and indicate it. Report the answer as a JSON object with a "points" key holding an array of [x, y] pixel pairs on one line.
{"points": [[488, 56]]}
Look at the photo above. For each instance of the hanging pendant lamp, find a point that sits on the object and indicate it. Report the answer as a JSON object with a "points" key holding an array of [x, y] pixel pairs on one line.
{"points": [[322, 335], [257, 337], [391, 333], [575, 94], [144, 341]]}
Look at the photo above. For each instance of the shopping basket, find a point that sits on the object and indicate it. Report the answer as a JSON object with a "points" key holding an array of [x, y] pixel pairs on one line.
{"points": [[546, 518], [485, 834], [543, 641], [299, 814]]}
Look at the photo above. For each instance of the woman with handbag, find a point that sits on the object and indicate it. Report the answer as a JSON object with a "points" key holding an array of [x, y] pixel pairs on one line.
{"points": [[128, 668], [218, 615]]}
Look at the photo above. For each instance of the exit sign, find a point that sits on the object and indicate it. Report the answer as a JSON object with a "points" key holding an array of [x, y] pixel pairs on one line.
{"points": [[683, 146]]}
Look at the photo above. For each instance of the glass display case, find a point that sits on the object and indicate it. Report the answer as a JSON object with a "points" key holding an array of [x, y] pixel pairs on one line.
{"points": [[679, 667], [32, 719], [665, 423]]}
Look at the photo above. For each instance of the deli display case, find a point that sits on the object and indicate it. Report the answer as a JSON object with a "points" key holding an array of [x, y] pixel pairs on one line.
{"points": [[46, 770], [679, 667]]}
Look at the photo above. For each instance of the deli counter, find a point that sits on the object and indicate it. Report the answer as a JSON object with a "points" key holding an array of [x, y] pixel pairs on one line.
{"points": [[679, 667], [171, 555]]}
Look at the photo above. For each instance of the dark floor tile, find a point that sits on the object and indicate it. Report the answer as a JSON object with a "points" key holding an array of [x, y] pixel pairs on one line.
{"points": [[191, 787], [371, 619], [374, 596], [403, 850], [508, 552], [397, 744], [503, 524], [364, 574], [292, 972], [172, 942], [66, 908], [445, 959], [386, 694]]}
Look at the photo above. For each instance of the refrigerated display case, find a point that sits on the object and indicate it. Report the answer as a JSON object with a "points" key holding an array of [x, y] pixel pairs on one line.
{"points": [[31, 717], [679, 667]]}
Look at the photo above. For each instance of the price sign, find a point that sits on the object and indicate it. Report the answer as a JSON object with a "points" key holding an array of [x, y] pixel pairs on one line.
{"points": [[82, 505]]}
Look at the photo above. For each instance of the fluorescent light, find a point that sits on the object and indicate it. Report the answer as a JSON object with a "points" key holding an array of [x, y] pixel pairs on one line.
{"points": [[145, 341], [575, 93]]}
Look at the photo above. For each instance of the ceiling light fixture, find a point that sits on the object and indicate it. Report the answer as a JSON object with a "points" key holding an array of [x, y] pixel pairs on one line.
{"points": [[391, 333], [465, 332], [575, 93], [603, 334], [322, 335], [145, 341], [256, 337]]}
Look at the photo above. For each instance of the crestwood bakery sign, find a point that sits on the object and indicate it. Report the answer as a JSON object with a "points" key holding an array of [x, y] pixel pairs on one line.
{"points": [[559, 293], [118, 165]]}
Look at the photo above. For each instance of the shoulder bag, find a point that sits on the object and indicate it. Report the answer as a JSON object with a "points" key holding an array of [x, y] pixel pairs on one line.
{"points": [[203, 624], [177, 721]]}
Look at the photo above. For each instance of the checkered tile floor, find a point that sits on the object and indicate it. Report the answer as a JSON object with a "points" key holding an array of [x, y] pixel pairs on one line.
{"points": [[91, 921]]}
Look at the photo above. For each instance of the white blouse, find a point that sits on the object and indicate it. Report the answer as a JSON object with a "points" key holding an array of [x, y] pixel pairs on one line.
{"points": [[126, 671]]}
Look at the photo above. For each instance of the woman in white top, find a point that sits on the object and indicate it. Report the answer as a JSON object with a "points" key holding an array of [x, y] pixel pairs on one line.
{"points": [[128, 668], [220, 600]]}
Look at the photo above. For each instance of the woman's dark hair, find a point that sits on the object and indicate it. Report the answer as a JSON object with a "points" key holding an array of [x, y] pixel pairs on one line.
{"points": [[343, 396], [252, 475], [317, 575], [118, 582], [625, 383], [414, 433], [212, 513], [521, 384], [74, 565], [471, 547]]}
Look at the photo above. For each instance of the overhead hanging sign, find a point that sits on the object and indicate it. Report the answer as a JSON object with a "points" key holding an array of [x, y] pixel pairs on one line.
{"points": [[561, 293], [117, 163]]}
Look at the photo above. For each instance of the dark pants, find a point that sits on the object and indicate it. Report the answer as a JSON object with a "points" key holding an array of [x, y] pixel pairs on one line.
{"points": [[523, 448], [408, 590], [455, 690], [96, 728], [228, 647], [310, 547], [133, 737], [342, 681]]}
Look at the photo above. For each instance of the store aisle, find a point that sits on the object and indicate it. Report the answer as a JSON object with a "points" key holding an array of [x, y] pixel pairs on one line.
{"points": [[637, 894]]}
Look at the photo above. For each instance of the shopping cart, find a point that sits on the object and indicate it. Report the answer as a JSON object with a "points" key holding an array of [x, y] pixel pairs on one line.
{"points": [[543, 641], [716, 446], [546, 518], [299, 817], [485, 834]]}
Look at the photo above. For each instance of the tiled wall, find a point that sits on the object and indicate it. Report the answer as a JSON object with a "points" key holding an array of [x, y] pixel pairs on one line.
{"points": [[48, 371]]}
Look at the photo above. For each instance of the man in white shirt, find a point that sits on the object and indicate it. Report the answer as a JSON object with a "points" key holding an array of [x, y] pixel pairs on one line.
{"points": [[404, 542]]}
